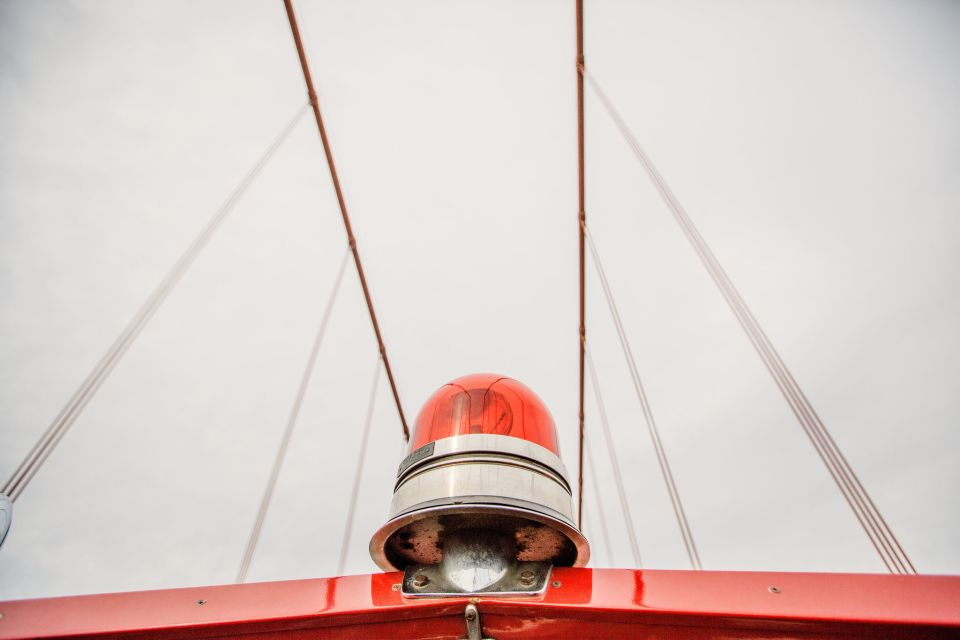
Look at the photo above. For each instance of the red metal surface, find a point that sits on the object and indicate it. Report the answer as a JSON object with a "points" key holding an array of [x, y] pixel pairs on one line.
{"points": [[602, 603], [485, 403]]}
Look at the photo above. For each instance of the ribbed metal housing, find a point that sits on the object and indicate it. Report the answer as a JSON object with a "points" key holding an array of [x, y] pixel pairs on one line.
{"points": [[480, 481]]}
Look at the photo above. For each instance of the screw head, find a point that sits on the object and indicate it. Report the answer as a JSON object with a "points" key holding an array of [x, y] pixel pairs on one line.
{"points": [[556, 584], [773, 589], [395, 587], [200, 603], [420, 580], [470, 614], [526, 578]]}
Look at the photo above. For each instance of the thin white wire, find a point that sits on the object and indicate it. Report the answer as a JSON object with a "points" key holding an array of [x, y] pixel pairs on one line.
{"points": [[652, 430], [291, 424], [614, 462], [598, 501], [88, 388], [358, 473], [874, 524]]}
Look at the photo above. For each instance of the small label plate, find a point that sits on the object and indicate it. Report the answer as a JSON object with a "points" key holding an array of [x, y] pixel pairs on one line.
{"points": [[423, 452]]}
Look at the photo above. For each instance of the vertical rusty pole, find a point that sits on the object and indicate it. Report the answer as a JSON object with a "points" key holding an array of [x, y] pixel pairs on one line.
{"points": [[315, 103], [581, 225]]}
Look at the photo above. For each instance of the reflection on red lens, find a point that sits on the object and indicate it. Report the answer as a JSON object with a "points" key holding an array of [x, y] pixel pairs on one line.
{"points": [[485, 403]]}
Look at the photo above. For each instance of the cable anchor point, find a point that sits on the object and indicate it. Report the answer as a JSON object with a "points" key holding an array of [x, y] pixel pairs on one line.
{"points": [[471, 616]]}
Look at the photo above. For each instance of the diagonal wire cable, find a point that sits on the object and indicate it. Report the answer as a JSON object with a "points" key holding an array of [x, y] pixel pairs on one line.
{"points": [[358, 473], [347, 227], [81, 397], [864, 509], [598, 500], [291, 424], [614, 462], [652, 429]]}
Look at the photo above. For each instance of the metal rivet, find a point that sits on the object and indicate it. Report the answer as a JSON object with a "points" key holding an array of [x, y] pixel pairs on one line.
{"points": [[773, 589], [200, 603], [395, 587], [556, 584], [420, 580]]}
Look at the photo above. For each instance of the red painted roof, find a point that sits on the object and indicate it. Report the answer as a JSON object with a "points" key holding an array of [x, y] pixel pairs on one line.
{"points": [[586, 603]]}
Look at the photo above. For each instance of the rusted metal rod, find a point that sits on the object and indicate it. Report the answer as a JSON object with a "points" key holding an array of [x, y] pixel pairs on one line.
{"points": [[315, 103], [581, 222]]}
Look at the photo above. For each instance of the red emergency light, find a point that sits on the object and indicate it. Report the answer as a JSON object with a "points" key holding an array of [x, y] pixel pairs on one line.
{"points": [[483, 458], [485, 403]]}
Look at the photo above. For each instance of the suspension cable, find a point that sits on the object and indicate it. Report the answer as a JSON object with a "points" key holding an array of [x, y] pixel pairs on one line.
{"points": [[355, 492], [581, 221], [614, 463], [291, 424], [652, 429], [315, 103], [864, 509], [598, 500], [81, 397]]}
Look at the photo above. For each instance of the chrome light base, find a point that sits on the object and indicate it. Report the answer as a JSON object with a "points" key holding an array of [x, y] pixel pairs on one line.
{"points": [[485, 482]]}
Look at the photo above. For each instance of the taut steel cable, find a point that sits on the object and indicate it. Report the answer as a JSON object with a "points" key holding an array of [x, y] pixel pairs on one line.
{"points": [[652, 429], [598, 501], [851, 488], [71, 411], [614, 463], [328, 152], [358, 472], [291, 424], [581, 222]]}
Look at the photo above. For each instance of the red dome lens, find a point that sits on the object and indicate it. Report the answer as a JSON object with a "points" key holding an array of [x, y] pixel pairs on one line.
{"points": [[485, 403], [483, 465]]}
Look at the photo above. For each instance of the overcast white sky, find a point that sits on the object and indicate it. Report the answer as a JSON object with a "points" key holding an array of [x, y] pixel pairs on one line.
{"points": [[816, 144]]}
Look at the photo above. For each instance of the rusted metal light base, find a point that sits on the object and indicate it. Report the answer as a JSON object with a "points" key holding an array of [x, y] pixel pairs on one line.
{"points": [[476, 562]]}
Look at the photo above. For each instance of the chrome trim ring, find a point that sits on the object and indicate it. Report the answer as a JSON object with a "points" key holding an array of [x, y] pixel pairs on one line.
{"points": [[485, 443], [480, 475], [455, 477]]}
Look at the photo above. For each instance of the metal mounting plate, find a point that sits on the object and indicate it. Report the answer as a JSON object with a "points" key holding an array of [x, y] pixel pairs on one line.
{"points": [[431, 581]]}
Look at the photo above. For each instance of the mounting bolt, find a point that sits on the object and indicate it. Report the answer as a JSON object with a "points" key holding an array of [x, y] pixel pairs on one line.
{"points": [[420, 580], [471, 617], [773, 589], [526, 578]]}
